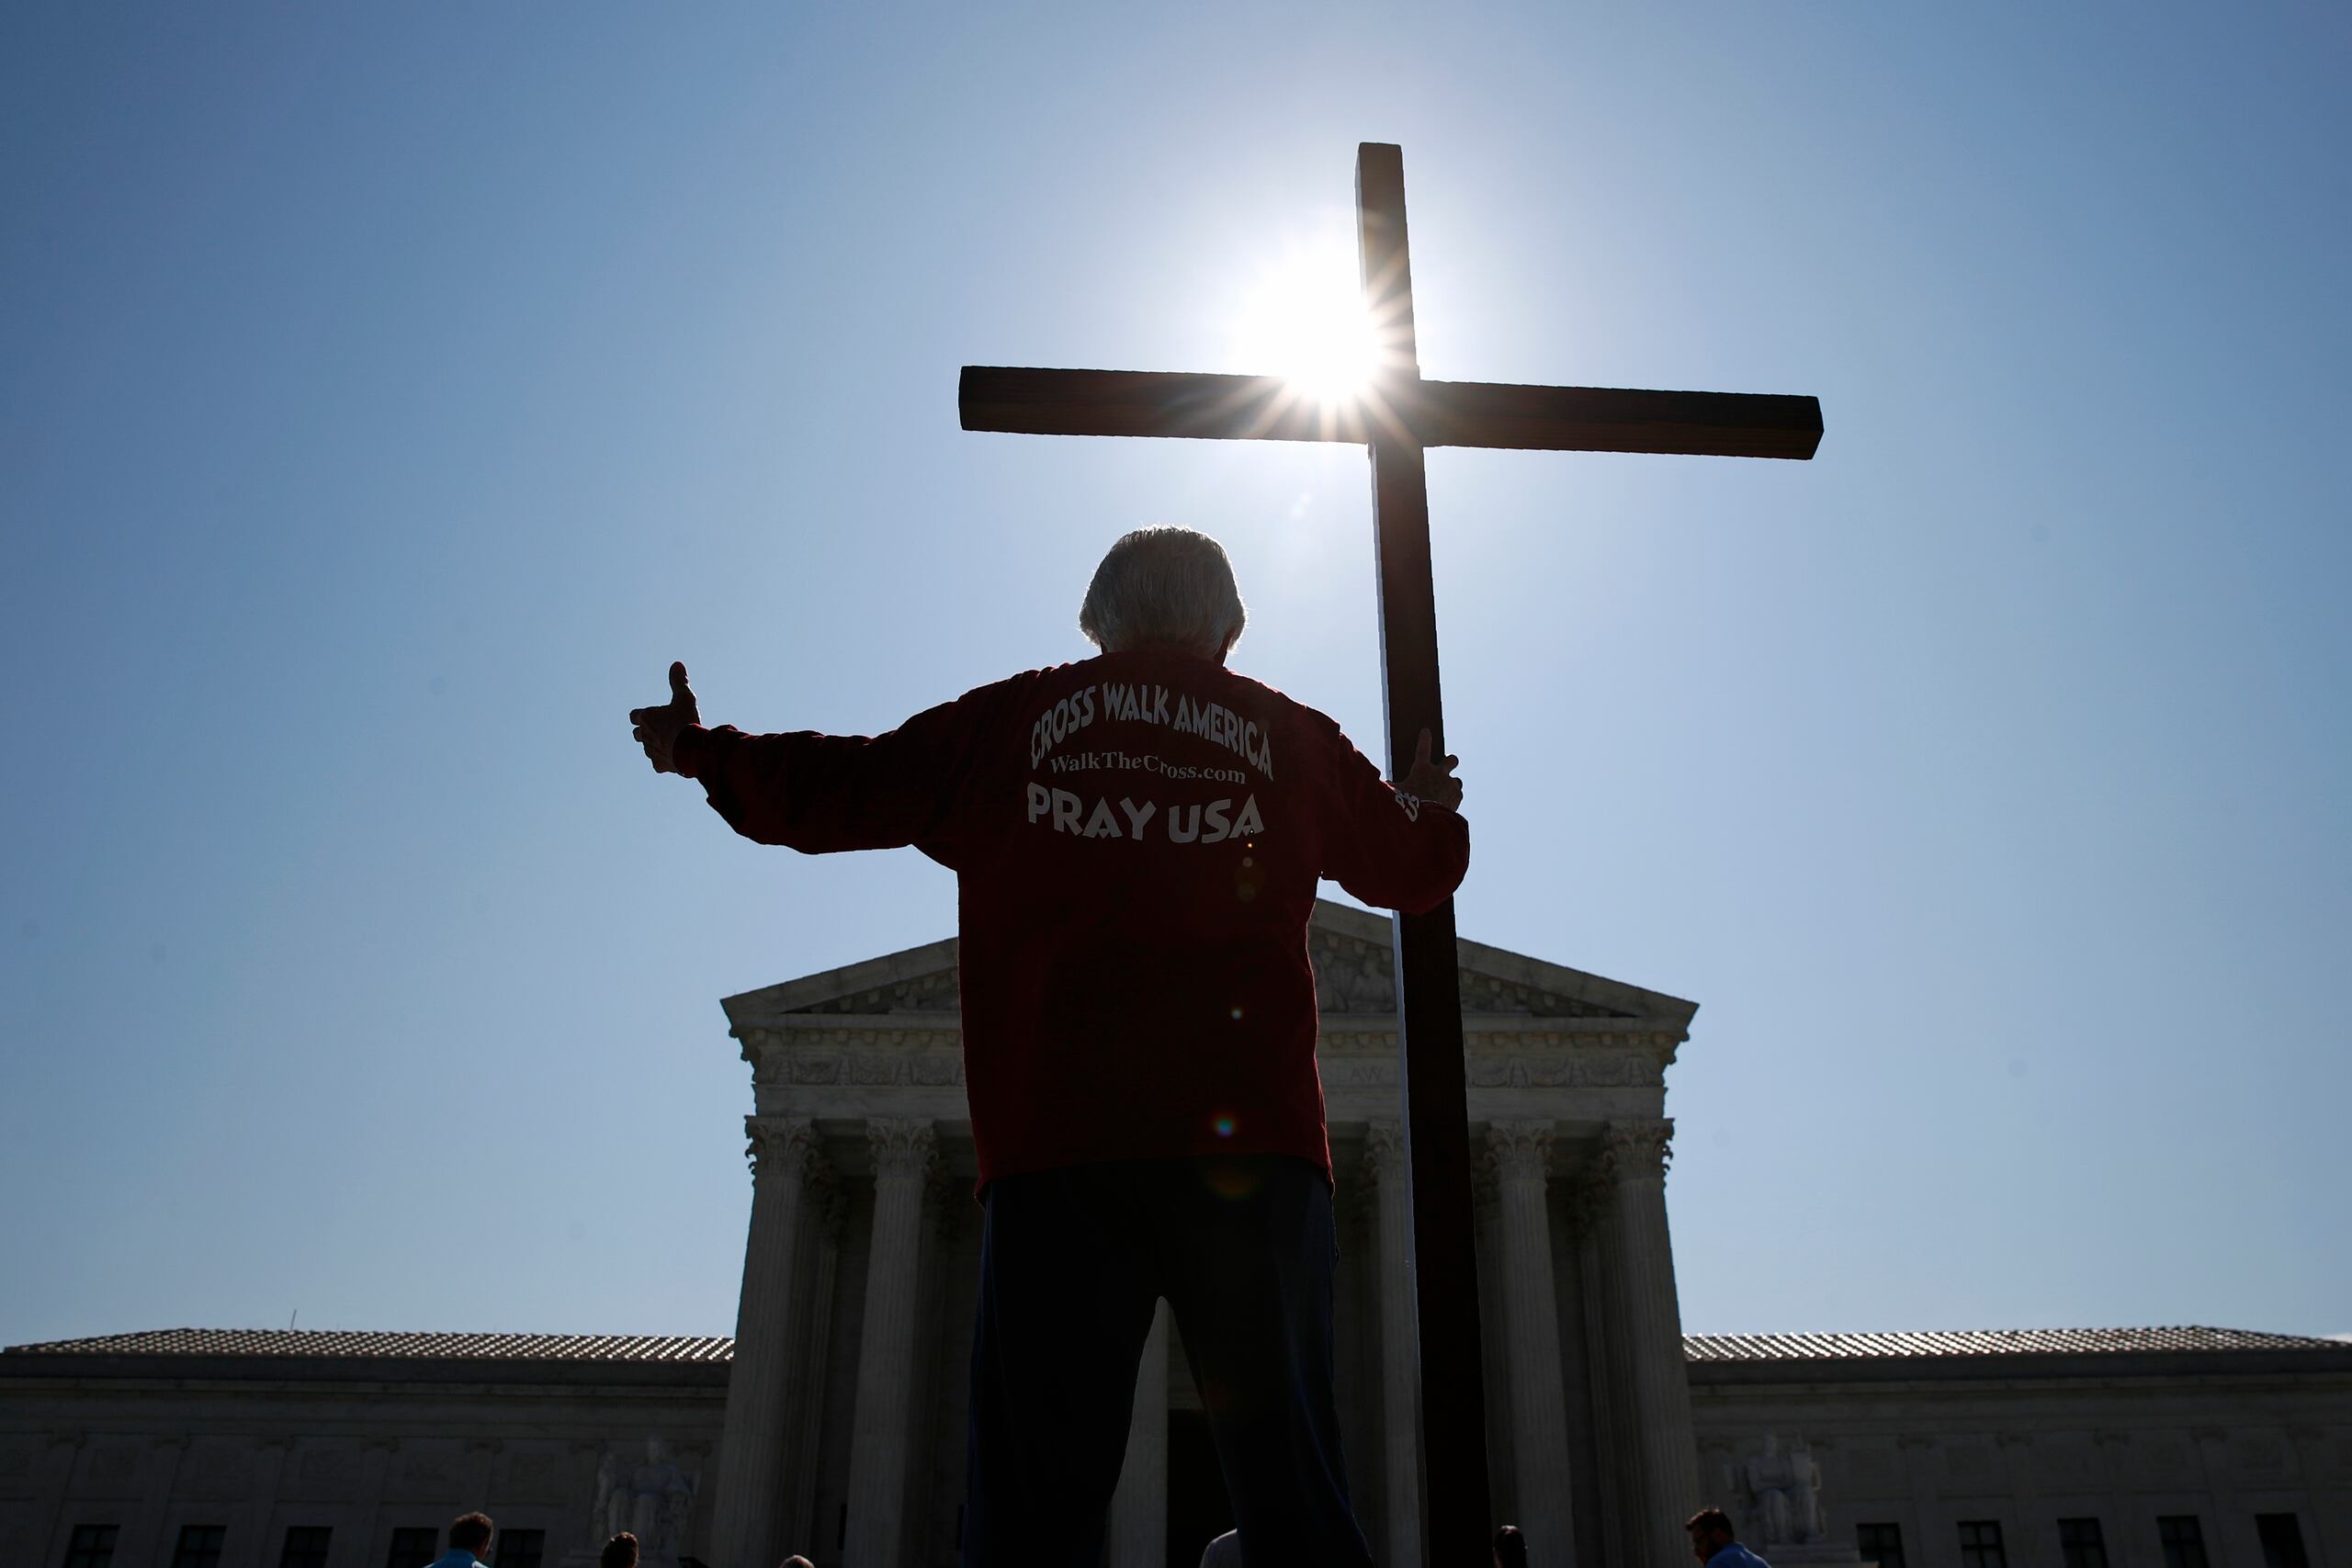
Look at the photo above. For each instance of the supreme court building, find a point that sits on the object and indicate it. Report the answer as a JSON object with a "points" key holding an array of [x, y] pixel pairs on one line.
{"points": [[832, 1425]]}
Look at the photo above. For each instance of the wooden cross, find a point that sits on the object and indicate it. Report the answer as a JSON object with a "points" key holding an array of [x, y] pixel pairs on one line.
{"points": [[1397, 417]]}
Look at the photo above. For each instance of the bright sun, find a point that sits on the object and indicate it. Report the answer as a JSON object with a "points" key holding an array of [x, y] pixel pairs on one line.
{"points": [[1302, 317]]}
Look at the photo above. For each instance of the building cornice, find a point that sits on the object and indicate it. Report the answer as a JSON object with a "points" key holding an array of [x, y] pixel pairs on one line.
{"points": [[1353, 960]]}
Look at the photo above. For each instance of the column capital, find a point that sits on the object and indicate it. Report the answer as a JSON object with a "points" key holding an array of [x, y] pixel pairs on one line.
{"points": [[1638, 1149], [1383, 1149], [903, 1147], [1520, 1149], [779, 1145]]}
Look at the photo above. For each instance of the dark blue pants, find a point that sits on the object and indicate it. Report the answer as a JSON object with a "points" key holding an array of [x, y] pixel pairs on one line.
{"points": [[1072, 1262]]}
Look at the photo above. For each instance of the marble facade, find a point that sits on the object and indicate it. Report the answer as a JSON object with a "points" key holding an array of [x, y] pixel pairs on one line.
{"points": [[359, 1435], [858, 1072], [2139, 1427]]}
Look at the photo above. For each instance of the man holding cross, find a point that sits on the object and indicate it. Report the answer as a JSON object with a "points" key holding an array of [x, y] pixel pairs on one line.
{"points": [[1138, 839], [1396, 415]]}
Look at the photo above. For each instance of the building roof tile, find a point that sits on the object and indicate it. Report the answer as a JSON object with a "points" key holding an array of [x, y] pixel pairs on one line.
{"points": [[1986, 1342], [344, 1344]]}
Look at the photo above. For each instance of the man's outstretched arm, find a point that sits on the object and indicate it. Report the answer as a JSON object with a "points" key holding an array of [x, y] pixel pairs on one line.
{"points": [[817, 792]]}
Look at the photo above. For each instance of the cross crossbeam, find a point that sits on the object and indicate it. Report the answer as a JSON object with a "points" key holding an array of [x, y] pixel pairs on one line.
{"points": [[1425, 413], [1396, 419]]}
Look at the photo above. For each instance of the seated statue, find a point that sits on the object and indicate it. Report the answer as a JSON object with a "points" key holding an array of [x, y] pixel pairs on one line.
{"points": [[650, 1500], [1783, 1494]]}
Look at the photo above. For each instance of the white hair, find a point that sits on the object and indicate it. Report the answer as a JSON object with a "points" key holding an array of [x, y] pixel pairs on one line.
{"points": [[1164, 588]]}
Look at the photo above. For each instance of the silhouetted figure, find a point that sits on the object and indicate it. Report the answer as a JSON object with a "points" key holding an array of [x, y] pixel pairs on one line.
{"points": [[619, 1552], [1711, 1541], [468, 1542], [796, 1563], [1511, 1547], [1224, 1551], [1137, 839]]}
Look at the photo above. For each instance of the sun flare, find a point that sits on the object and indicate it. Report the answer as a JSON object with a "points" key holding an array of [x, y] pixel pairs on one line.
{"points": [[1302, 317]]}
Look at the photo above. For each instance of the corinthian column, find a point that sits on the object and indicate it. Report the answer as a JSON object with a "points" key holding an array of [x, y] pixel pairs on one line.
{"points": [[1400, 1368], [1591, 1212], [746, 1513], [1521, 1153], [885, 1351], [1648, 1325], [821, 1254], [1139, 1533]]}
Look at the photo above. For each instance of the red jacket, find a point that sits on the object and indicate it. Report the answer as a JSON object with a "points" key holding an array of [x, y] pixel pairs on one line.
{"points": [[1136, 839]]}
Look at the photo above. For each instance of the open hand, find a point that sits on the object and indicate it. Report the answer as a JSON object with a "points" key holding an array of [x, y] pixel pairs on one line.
{"points": [[1433, 782], [657, 728]]}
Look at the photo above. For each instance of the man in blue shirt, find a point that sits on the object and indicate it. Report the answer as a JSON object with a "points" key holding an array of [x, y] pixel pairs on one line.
{"points": [[469, 1538], [1712, 1542]]}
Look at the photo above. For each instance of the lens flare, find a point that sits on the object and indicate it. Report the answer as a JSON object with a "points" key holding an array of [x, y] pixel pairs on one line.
{"points": [[1232, 1179], [1302, 318]]}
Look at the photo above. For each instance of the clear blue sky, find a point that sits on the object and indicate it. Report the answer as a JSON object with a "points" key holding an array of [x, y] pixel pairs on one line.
{"points": [[386, 398]]}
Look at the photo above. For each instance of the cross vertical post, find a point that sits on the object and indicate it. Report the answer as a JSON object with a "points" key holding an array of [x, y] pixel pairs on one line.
{"points": [[1430, 1064]]}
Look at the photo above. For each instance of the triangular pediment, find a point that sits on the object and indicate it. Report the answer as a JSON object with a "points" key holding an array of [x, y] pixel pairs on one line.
{"points": [[1353, 974], [917, 980], [1355, 967]]}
